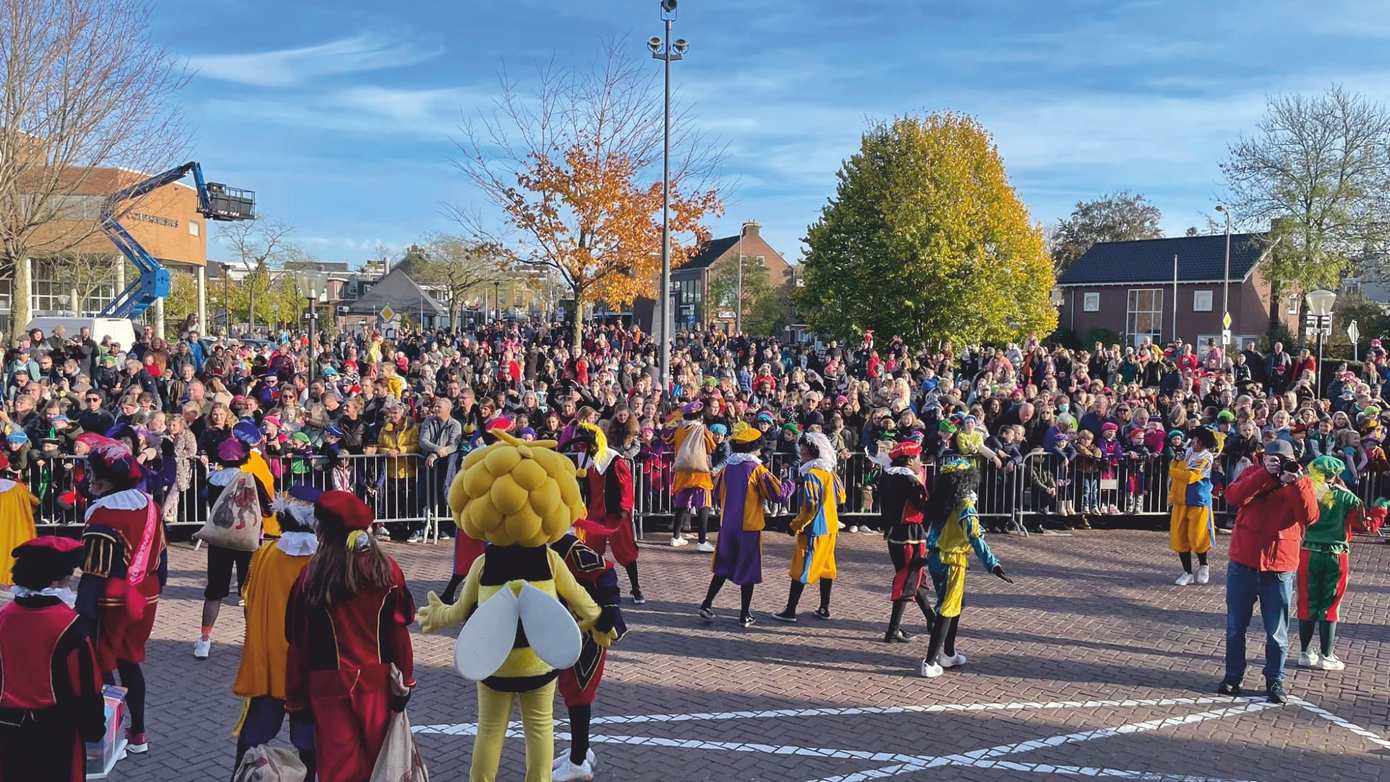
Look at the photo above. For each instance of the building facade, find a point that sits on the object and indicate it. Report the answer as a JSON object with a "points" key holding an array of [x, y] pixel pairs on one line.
{"points": [[690, 283], [1162, 289]]}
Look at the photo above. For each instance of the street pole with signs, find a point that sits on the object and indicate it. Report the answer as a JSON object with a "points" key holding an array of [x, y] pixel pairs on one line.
{"points": [[1319, 322], [1354, 334]]}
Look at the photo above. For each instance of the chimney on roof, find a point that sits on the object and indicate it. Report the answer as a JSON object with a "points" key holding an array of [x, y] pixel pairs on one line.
{"points": [[750, 230]]}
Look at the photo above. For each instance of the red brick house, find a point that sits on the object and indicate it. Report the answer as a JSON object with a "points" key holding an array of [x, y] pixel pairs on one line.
{"points": [[1130, 288], [690, 282]]}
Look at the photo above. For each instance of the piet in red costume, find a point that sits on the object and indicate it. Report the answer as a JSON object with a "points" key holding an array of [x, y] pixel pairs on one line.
{"points": [[579, 684], [50, 689], [124, 569], [607, 524], [903, 495], [346, 628]]}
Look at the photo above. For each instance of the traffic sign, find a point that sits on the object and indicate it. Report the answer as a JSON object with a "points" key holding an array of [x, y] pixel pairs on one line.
{"points": [[1353, 332], [1226, 335], [1226, 321], [387, 313]]}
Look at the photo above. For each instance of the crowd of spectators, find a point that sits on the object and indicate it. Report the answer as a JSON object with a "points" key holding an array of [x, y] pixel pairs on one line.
{"points": [[1100, 417]]}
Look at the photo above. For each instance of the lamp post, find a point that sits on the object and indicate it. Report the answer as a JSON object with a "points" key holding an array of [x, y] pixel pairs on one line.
{"points": [[496, 300], [314, 287], [1320, 321], [1226, 279], [667, 51]]}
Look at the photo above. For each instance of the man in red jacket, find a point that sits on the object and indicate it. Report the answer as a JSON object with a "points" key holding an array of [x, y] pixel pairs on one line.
{"points": [[1274, 506]]}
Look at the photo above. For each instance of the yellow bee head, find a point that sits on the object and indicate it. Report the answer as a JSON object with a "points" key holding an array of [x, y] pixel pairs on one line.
{"points": [[516, 493]]}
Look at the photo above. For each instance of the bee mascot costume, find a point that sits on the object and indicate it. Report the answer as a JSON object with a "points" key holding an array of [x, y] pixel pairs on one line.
{"points": [[517, 634]]}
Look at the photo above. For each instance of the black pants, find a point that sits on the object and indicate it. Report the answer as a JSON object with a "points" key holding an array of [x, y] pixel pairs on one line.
{"points": [[221, 561]]}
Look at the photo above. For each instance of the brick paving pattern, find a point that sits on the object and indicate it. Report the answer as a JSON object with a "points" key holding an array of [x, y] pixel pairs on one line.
{"points": [[1093, 660]]}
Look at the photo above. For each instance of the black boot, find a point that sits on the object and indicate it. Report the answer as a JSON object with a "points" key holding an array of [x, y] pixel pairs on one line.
{"points": [[679, 522], [928, 613], [793, 597], [931, 664], [704, 521], [707, 607], [745, 612], [895, 632], [826, 584]]}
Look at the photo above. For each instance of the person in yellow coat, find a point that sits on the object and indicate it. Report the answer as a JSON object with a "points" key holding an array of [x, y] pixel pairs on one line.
{"points": [[517, 636], [275, 568], [1191, 525], [815, 525], [16, 519]]}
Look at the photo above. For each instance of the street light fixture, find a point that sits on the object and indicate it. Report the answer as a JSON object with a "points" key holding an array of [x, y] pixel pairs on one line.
{"points": [[314, 287], [1320, 321], [668, 52], [1226, 280]]}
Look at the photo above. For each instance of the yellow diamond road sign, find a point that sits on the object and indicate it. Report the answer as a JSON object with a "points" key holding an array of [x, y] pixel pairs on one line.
{"points": [[1226, 321], [387, 313]]}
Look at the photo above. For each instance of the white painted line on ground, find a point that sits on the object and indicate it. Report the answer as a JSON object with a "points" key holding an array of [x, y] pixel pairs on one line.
{"points": [[1368, 735], [979, 757], [1091, 771]]}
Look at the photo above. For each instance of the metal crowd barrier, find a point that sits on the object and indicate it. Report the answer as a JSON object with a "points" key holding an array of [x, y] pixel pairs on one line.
{"points": [[406, 489]]}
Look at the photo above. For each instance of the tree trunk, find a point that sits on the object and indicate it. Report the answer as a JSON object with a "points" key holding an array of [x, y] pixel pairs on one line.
{"points": [[577, 335], [19, 296]]}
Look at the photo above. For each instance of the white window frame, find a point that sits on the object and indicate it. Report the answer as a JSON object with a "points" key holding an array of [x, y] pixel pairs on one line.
{"points": [[1144, 307], [1197, 298], [1090, 301], [193, 228]]}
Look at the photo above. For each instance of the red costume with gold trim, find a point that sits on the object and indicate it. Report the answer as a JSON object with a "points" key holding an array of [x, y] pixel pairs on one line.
{"points": [[608, 522], [124, 543], [579, 684]]}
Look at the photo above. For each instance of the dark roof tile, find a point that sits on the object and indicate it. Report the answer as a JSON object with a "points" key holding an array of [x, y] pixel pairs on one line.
{"points": [[1151, 260]]}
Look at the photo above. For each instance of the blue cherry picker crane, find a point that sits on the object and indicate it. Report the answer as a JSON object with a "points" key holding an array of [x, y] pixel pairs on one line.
{"points": [[216, 201]]}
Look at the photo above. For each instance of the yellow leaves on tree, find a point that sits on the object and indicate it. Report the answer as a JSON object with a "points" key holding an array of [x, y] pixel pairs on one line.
{"points": [[576, 173], [599, 227], [925, 238]]}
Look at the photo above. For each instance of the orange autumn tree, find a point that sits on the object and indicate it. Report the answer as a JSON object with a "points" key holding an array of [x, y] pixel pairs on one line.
{"points": [[575, 171]]}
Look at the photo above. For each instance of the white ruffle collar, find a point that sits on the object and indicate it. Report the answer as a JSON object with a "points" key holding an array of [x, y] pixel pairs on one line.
{"points": [[298, 544], [742, 458], [908, 471], [126, 499], [6, 485]]}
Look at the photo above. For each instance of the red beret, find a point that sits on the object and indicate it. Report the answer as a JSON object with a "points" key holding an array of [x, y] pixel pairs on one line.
{"points": [[906, 450], [54, 543], [343, 508]]}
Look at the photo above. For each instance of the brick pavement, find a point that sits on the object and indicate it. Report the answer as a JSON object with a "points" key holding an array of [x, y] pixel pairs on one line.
{"points": [[1092, 618]]}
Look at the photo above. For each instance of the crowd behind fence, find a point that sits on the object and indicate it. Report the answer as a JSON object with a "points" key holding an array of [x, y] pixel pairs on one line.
{"points": [[410, 492]]}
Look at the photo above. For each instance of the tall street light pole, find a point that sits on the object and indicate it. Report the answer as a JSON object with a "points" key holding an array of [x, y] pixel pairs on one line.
{"points": [[1226, 278], [668, 52]]}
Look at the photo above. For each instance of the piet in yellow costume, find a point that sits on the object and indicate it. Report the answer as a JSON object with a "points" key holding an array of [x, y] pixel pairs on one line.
{"points": [[815, 526], [520, 498]]}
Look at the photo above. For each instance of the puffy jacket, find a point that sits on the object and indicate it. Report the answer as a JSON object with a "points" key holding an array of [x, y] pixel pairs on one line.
{"points": [[1270, 519]]}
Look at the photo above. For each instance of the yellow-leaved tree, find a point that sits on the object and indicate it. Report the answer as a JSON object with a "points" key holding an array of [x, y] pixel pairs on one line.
{"points": [[926, 239], [575, 170]]}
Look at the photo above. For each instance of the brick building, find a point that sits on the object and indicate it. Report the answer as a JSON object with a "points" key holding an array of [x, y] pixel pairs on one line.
{"points": [[690, 282], [1130, 288]]}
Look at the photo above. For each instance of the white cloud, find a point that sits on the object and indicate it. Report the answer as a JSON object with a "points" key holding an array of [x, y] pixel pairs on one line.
{"points": [[289, 67]]}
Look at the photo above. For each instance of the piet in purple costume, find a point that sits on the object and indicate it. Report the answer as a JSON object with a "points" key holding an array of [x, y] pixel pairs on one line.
{"points": [[741, 488]]}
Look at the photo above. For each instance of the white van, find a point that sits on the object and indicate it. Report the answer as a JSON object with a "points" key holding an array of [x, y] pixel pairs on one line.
{"points": [[120, 330]]}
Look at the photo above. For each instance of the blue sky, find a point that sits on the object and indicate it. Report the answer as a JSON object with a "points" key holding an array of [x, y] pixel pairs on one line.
{"points": [[343, 116]]}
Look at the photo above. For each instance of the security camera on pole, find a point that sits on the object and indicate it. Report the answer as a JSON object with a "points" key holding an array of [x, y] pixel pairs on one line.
{"points": [[667, 51]]}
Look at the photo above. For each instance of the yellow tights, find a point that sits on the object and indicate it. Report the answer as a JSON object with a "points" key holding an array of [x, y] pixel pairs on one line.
{"points": [[494, 710]]}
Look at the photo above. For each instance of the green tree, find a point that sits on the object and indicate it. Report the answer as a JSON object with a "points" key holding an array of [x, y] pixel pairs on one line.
{"points": [[925, 238], [757, 287], [1317, 173], [1116, 217]]}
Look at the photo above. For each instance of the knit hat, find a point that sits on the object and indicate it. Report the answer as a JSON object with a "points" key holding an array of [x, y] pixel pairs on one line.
{"points": [[18, 437], [718, 429], [1110, 426]]}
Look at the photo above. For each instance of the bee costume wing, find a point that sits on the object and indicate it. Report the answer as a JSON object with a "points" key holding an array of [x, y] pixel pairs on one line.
{"points": [[488, 636], [550, 628]]}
